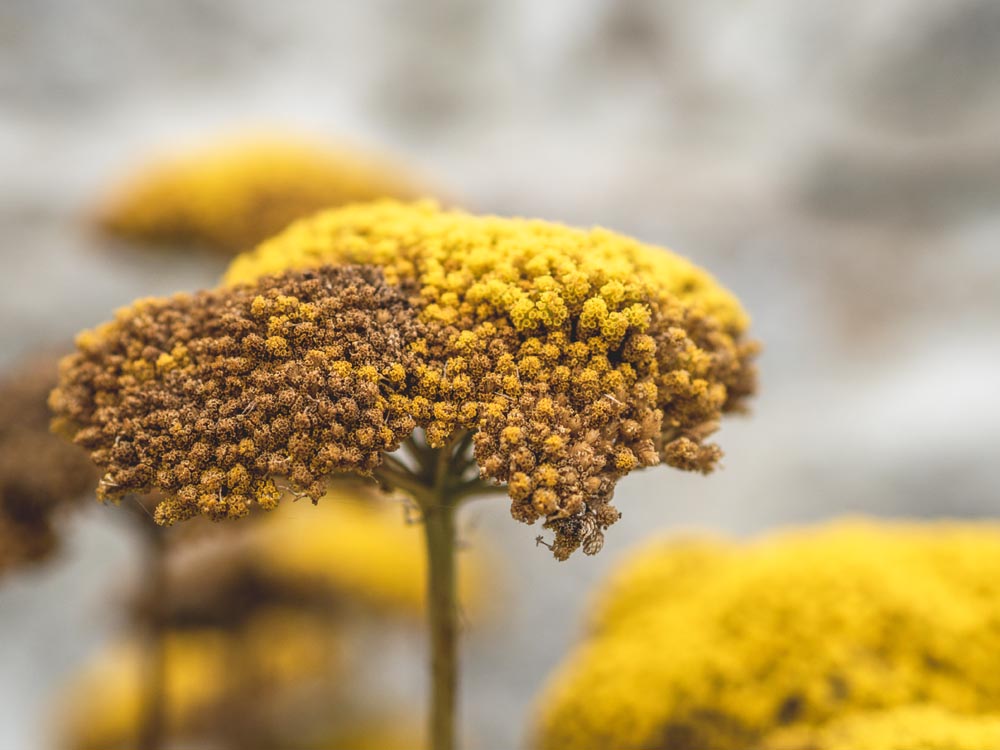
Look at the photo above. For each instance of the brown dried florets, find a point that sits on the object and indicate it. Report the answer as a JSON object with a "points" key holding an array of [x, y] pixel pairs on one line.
{"points": [[211, 397], [38, 471]]}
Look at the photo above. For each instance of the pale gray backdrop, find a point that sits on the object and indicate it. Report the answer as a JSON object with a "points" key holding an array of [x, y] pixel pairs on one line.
{"points": [[837, 165]]}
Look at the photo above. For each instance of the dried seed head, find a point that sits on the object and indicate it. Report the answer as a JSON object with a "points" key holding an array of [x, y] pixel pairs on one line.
{"points": [[39, 473], [183, 395]]}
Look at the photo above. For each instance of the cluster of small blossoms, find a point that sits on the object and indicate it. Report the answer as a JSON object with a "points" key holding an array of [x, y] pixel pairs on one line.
{"points": [[572, 358], [719, 645], [918, 727], [39, 473], [211, 398], [232, 196]]}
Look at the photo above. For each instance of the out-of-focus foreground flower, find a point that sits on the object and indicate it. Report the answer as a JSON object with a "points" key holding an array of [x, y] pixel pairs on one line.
{"points": [[713, 645], [919, 727], [39, 473], [230, 196], [350, 557], [545, 361], [261, 630], [570, 358]]}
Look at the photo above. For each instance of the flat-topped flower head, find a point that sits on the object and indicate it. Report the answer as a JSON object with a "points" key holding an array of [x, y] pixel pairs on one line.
{"points": [[719, 645], [918, 727], [571, 357], [39, 473], [230, 196]]}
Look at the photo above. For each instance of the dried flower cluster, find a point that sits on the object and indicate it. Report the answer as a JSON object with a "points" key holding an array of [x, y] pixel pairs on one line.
{"points": [[572, 357], [39, 473], [230, 197], [919, 727], [211, 397], [715, 646]]}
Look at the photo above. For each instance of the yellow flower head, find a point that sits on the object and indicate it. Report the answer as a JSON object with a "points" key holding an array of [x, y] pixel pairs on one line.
{"points": [[351, 553], [715, 646], [39, 473], [230, 197], [919, 727], [211, 678], [573, 357]]}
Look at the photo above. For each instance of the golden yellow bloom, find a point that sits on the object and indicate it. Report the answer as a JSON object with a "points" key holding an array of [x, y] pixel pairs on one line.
{"points": [[715, 646], [359, 550], [570, 357], [215, 681], [39, 473], [919, 727], [230, 197], [352, 552]]}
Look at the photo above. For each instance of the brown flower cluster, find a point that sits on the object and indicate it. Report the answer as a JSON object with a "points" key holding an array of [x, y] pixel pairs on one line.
{"points": [[212, 397], [38, 471]]}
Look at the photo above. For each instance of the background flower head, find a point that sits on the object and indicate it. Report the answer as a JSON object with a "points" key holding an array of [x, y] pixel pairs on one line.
{"points": [[40, 474], [797, 628], [230, 196]]}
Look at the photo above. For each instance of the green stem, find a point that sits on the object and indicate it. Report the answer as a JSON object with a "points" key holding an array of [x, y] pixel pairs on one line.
{"points": [[152, 722], [442, 611]]}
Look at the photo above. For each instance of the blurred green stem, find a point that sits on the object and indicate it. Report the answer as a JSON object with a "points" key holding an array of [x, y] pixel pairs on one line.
{"points": [[442, 611], [152, 721]]}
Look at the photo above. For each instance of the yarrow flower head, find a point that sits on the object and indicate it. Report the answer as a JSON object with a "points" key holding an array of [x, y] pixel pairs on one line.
{"points": [[40, 474], [569, 357], [231, 196], [717, 645], [918, 727]]}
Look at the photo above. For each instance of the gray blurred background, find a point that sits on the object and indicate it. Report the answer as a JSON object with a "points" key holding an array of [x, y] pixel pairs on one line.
{"points": [[837, 165]]}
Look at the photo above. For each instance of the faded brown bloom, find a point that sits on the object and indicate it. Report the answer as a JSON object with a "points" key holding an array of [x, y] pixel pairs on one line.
{"points": [[39, 473], [212, 397]]}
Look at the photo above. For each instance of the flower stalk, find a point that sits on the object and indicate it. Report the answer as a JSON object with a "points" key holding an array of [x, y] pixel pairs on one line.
{"points": [[442, 613], [152, 724]]}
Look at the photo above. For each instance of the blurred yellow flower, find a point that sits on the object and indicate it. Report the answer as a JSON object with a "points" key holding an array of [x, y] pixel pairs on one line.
{"points": [[232, 195], [358, 549], [713, 645], [207, 671], [919, 727]]}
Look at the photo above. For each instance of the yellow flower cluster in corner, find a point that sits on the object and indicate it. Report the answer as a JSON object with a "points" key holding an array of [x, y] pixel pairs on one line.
{"points": [[231, 196], [716, 645], [205, 669], [920, 727]]}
